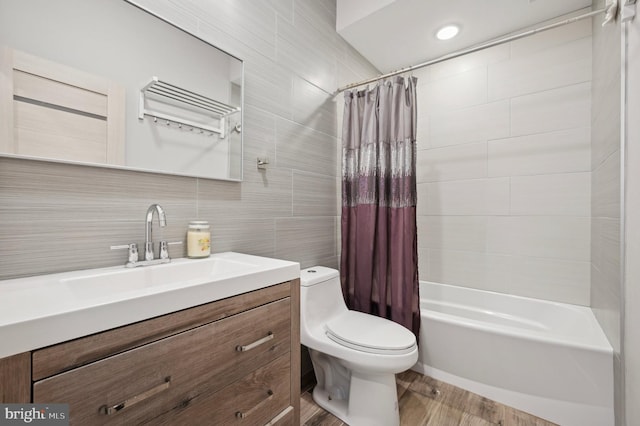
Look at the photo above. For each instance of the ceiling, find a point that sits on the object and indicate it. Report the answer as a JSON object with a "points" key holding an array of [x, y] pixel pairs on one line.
{"points": [[394, 34]]}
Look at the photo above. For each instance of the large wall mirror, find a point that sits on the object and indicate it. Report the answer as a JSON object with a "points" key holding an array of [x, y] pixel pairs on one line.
{"points": [[103, 82]]}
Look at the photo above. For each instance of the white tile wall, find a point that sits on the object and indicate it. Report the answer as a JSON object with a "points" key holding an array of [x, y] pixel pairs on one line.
{"points": [[554, 152], [477, 123], [552, 237], [566, 194], [468, 269], [543, 70], [631, 318], [454, 232], [611, 296], [539, 277], [549, 39], [464, 197], [458, 91], [608, 292], [606, 188], [422, 132], [479, 59], [504, 175], [567, 107], [467, 161]]}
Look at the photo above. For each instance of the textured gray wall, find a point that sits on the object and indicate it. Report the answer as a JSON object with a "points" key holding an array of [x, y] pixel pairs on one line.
{"points": [[58, 217]]}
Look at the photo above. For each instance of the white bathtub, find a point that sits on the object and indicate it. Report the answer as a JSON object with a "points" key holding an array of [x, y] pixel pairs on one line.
{"points": [[548, 359]]}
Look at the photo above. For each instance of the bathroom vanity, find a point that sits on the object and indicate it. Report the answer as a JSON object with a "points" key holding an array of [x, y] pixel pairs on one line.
{"points": [[232, 360]]}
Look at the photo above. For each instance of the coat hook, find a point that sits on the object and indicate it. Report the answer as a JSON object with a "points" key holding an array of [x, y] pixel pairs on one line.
{"points": [[155, 119]]}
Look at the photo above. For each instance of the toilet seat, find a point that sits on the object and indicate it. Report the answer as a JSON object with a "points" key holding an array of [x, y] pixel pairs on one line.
{"points": [[368, 333]]}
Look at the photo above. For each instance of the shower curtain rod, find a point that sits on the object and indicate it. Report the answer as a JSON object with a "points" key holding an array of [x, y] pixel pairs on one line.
{"points": [[475, 49]]}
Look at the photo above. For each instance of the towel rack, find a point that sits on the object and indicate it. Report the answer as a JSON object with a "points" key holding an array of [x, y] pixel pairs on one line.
{"points": [[183, 98]]}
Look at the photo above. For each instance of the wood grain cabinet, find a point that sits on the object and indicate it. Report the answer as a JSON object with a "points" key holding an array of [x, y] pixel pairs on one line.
{"points": [[229, 362]]}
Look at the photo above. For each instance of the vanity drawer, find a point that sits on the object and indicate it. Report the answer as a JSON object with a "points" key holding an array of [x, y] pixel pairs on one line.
{"points": [[253, 400], [167, 375], [75, 353]]}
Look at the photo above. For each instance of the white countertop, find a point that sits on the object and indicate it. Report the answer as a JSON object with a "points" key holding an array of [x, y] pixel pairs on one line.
{"points": [[43, 310]]}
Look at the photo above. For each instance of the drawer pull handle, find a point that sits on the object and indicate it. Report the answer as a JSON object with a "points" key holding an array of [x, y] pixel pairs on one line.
{"points": [[241, 415], [138, 398], [250, 346]]}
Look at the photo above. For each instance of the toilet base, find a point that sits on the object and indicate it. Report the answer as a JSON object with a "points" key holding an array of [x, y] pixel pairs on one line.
{"points": [[373, 401]]}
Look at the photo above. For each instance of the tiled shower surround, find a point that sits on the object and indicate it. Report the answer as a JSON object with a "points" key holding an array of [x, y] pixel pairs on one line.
{"points": [[58, 217], [606, 287], [504, 167]]}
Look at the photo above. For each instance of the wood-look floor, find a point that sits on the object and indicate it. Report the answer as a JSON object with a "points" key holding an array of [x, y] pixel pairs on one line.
{"points": [[425, 401]]}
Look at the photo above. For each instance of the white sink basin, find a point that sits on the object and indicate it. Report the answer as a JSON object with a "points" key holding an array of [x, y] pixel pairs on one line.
{"points": [[179, 272], [47, 309]]}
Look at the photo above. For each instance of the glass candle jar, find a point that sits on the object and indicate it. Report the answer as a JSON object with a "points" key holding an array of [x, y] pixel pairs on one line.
{"points": [[198, 239]]}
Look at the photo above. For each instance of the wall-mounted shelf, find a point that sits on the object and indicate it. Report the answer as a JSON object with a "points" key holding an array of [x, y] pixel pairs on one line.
{"points": [[184, 99]]}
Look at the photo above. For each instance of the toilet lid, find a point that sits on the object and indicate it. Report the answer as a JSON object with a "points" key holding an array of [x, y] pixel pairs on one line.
{"points": [[369, 333]]}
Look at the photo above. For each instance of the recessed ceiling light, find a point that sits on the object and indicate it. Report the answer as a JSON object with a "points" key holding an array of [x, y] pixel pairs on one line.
{"points": [[448, 32]]}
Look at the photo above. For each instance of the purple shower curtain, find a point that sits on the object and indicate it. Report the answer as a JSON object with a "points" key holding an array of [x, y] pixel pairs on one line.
{"points": [[379, 260]]}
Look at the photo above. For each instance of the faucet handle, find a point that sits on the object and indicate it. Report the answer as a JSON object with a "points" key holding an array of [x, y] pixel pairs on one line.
{"points": [[164, 248], [133, 251], [148, 251]]}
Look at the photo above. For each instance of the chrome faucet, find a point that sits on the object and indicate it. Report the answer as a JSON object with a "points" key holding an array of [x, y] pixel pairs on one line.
{"points": [[163, 249], [148, 239]]}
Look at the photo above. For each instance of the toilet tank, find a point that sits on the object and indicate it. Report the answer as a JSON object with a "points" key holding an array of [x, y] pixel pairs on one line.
{"points": [[320, 295]]}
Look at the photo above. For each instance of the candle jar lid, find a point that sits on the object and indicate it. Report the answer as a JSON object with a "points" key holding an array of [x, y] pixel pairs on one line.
{"points": [[198, 224]]}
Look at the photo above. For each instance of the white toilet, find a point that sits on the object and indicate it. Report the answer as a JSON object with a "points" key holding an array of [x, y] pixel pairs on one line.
{"points": [[355, 356]]}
